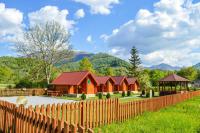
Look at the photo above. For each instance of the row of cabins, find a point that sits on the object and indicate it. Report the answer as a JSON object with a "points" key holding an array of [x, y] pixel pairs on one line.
{"points": [[76, 83]]}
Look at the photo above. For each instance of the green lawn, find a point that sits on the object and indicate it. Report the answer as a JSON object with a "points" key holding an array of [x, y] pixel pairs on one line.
{"points": [[122, 99], [181, 118], [5, 86]]}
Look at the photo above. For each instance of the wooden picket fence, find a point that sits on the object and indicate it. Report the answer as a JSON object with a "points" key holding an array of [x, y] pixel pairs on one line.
{"points": [[27, 120], [80, 116]]}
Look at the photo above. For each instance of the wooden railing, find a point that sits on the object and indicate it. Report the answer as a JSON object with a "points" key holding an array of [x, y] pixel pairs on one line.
{"points": [[23, 92], [80, 116], [53, 93]]}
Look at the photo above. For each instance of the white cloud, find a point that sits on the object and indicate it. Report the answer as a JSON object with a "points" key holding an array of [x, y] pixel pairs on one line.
{"points": [[169, 34], [10, 22], [89, 38], [99, 6], [51, 13], [80, 14]]}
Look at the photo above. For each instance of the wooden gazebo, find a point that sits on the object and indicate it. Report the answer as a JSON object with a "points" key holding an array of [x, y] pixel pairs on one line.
{"points": [[173, 81]]}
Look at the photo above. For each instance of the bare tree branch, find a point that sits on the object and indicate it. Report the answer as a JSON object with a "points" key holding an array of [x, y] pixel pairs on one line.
{"points": [[48, 43]]}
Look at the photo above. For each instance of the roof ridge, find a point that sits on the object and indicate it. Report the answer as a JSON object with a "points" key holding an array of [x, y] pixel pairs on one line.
{"points": [[76, 71], [174, 76]]}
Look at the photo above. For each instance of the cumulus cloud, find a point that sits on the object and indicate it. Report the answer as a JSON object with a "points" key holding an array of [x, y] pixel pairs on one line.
{"points": [[80, 14], [10, 22], [51, 13], [89, 38], [169, 34], [99, 6]]}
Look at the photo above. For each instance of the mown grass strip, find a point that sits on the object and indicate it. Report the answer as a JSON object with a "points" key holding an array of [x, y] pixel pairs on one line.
{"points": [[180, 118]]}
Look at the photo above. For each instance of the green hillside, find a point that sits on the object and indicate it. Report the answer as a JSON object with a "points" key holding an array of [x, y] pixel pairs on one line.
{"points": [[100, 62], [17, 70], [14, 70]]}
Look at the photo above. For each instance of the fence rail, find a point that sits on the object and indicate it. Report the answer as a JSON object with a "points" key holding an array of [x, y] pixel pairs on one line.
{"points": [[79, 116], [22, 92]]}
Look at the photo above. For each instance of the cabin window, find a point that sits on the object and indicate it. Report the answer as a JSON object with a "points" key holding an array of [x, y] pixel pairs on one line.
{"points": [[89, 81]]}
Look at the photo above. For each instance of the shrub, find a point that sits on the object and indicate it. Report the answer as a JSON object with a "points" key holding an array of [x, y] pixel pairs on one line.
{"points": [[129, 93], [108, 95], [123, 94], [147, 94], [100, 95], [83, 96]]}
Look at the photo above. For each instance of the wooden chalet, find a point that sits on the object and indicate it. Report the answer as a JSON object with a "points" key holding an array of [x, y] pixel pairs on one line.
{"points": [[75, 83], [121, 83], [105, 84], [133, 84]]}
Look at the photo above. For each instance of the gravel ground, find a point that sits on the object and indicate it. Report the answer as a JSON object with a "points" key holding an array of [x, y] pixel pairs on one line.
{"points": [[36, 100]]}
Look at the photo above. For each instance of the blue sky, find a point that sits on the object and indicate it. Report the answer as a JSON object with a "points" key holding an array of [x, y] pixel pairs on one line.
{"points": [[114, 26]]}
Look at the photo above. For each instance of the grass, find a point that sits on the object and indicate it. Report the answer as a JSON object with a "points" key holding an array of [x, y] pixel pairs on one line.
{"points": [[122, 99], [180, 118], [5, 86]]}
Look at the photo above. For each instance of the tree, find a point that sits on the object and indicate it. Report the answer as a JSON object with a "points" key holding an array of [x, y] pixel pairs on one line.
{"points": [[144, 80], [189, 72], [109, 71], [156, 75], [5, 74], [85, 64], [135, 63], [48, 43]]}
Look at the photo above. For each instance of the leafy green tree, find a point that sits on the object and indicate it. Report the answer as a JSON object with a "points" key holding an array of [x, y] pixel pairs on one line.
{"points": [[144, 80], [189, 72], [85, 64], [135, 63], [109, 71], [121, 71], [156, 75], [5, 74]]}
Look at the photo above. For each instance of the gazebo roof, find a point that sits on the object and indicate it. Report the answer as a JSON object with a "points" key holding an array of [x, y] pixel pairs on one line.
{"points": [[173, 78]]}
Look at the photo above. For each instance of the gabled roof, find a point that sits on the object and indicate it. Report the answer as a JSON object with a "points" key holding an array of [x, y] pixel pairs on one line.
{"points": [[119, 79], [103, 79], [72, 78], [173, 77], [131, 80]]}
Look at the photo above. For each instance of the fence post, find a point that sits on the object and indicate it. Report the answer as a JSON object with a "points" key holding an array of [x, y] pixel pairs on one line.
{"points": [[14, 118], [117, 110], [82, 113], [66, 127], [81, 129], [90, 130], [4, 126]]}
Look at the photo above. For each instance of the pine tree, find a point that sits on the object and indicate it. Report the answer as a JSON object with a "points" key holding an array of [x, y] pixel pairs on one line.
{"points": [[135, 62]]}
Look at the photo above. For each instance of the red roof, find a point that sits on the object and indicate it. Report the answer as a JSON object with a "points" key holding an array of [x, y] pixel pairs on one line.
{"points": [[173, 77], [131, 80], [71, 78], [119, 79], [103, 79]]}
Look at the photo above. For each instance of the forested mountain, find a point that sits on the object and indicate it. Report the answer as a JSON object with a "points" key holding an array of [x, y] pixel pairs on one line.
{"points": [[197, 66], [164, 66], [100, 62], [17, 69], [14, 70], [27, 72]]}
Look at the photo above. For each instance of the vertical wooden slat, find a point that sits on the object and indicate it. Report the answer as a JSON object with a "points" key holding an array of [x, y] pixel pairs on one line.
{"points": [[58, 111], [63, 112], [66, 127]]}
